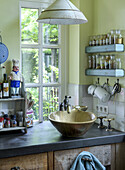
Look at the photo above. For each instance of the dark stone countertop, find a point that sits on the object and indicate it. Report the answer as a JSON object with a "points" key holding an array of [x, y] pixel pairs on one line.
{"points": [[43, 137]]}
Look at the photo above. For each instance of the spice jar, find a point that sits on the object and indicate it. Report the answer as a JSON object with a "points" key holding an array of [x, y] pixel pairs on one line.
{"points": [[97, 62], [89, 62], [104, 40], [93, 62], [111, 62], [102, 62], [107, 62], [118, 63], [7, 123], [1, 122], [119, 39], [100, 40], [13, 122]]}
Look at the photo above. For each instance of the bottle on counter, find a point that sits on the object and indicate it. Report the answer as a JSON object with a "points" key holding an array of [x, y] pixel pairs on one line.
{"points": [[5, 87]]}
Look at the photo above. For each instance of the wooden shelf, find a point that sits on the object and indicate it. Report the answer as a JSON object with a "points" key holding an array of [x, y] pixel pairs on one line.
{"points": [[105, 48], [12, 128], [105, 72], [11, 99]]}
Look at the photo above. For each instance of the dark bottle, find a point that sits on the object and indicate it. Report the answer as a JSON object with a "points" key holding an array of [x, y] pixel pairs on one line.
{"points": [[5, 87]]}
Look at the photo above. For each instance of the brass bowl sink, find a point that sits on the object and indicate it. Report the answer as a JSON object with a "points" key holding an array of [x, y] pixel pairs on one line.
{"points": [[75, 124]]}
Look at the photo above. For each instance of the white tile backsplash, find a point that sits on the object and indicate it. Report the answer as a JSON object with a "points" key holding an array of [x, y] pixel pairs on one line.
{"points": [[116, 105]]}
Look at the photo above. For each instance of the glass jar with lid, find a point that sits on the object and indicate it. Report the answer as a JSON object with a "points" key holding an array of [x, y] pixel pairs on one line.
{"points": [[93, 62], [100, 40], [104, 39], [93, 40], [118, 63], [102, 62], [89, 62], [111, 62], [119, 39], [107, 62], [97, 62], [90, 40]]}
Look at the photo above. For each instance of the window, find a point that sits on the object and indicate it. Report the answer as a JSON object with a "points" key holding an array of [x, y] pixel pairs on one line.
{"points": [[42, 61]]}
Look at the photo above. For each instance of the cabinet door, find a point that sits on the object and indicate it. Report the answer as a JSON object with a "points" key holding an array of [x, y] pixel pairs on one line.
{"points": [[33, 162], [63, 160]]}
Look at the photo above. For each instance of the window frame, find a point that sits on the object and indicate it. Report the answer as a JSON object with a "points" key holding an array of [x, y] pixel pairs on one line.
{"points": [[63, 62]]}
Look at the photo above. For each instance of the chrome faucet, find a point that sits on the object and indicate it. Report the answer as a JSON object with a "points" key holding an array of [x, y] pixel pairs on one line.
{"points": [[65, 105]]}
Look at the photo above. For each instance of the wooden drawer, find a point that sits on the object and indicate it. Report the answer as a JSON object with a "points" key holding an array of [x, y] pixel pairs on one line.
{"points": [[63, 160], [32, 162]]}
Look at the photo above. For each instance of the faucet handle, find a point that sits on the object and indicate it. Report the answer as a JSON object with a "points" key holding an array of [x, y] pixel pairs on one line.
{"points": [[109, 124], [67, 97], [101, 122]]}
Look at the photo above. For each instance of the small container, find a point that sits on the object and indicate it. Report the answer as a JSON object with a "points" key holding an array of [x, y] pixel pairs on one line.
{"points": [[119, 37], [111, 62], [93, 40], [93, 62], [118, 63], [104, 40], [89, 62], [90, 41], [29, 117], [107, 62], [13, 122], [20, 118], [7, 123], [100, 40], [1, 122], [1, 94], [102, 62], [97, 62]]}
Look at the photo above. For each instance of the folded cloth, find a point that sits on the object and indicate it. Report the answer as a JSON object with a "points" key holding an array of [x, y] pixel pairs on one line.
{"points": [[87, 161]]}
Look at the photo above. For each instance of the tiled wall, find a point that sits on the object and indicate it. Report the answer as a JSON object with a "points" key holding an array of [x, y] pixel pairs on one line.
{"points": [[116, 105]]}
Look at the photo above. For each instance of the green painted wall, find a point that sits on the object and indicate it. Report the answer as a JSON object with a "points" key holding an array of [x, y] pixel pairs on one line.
{"points": [[109, 15], [102, 17], [9, 27]]}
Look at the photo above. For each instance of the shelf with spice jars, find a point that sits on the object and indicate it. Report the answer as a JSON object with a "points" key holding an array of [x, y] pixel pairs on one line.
{"points": [[108, 64], [13, 114]]}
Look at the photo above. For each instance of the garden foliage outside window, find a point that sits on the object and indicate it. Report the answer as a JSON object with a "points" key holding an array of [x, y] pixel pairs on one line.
{"points": [[41, 62]]}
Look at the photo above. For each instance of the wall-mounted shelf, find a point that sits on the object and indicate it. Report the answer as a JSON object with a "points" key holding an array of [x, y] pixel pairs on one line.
{"points": [[105, 72], [105, 48]]}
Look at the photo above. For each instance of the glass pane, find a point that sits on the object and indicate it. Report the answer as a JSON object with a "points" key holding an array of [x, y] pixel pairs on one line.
{"points": [[30, 62], [35, 97], [29, 26], [50, 100], [50, 34], [50, 65]]}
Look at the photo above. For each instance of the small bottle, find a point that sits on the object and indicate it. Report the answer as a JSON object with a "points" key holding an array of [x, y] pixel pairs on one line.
{"points": [[5, 87], [102, 62], [107, 62], [89, 62], [97, 62], [94, 41], [93, 62], [1, 122], [1, 94], [119, 37], [111, 62], [118, 63], [7, 123], [104, 40], [100, 40]]}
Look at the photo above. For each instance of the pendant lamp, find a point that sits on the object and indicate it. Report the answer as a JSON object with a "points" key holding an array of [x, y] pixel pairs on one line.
{"points": [[62, 12]]}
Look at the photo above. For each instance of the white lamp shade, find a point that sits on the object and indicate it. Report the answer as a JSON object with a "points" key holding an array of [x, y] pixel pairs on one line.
{"points": [[62, 12]]}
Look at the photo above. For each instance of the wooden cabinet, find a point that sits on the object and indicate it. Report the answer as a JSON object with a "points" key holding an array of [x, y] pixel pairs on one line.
{"points": [[111, 156], [27, 162]]}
